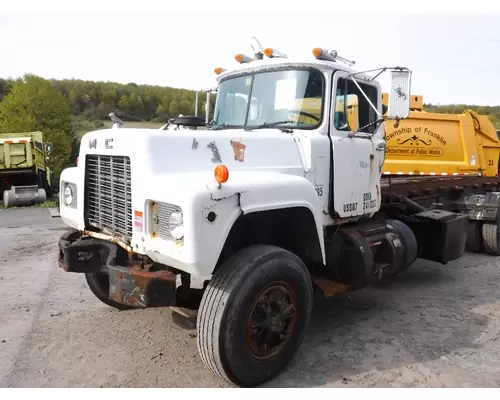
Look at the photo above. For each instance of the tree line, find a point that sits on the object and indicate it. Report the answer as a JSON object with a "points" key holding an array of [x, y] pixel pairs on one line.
{"points": [[131, 102], [493, 112]]}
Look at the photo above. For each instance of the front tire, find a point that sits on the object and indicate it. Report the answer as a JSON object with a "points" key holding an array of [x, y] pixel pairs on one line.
{"points": [[99, 285], [254, 314]]}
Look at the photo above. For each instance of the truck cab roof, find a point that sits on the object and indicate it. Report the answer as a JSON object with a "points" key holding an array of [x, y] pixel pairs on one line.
{"points": [[280, 63]]}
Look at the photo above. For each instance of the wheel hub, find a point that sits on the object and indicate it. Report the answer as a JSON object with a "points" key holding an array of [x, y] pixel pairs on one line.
{"points": [[277, 323], [270, 321]]}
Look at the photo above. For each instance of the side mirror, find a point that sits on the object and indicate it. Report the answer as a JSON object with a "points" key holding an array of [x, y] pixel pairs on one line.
{"points": [[48, 148], [399, 96]]}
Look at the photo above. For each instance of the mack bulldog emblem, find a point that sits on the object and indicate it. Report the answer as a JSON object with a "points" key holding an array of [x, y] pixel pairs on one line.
{"points": [[239, 150]]}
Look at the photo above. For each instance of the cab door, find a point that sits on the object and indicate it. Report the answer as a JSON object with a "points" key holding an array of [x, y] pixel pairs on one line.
{"points": [[358, 157]]}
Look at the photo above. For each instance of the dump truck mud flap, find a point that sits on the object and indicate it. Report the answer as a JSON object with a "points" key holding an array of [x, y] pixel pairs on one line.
{"points": [[131, 283]]}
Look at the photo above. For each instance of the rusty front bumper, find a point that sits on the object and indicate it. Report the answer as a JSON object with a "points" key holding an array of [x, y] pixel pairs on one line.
{"points": [[130, 282]]}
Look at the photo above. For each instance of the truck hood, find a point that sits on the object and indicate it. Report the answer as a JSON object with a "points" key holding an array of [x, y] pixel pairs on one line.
{"points": [[153, 151]]}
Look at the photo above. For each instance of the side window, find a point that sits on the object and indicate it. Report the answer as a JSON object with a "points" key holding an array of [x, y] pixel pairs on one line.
{"points": [[357, 112]]}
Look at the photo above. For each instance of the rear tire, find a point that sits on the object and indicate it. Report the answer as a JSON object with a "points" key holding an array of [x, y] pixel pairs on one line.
{"points": [[43, 183], [99, 285], [260, 292], [474, 242], [491, 237]]}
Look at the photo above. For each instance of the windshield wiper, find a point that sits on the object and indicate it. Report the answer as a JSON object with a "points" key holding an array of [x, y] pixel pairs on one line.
{"points": [[273, 125], [224, 125]]}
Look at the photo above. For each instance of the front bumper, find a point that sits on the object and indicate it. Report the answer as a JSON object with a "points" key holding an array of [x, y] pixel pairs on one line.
{"points": [[132, 283]]}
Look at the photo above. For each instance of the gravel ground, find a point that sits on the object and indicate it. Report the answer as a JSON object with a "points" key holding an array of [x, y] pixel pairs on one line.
{"points": [[436, 326]]}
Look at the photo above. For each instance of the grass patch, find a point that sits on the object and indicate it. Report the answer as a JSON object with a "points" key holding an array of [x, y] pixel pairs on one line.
{"points": [[45, 204]]}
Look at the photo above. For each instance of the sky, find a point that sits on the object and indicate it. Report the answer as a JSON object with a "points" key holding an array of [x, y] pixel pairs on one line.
{"points": [[455, 58]]}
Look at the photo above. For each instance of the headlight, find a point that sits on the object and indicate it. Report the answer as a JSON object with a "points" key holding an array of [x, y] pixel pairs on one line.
{"points": [[68, 195], [175, 219], [175, 224], [167, 221]]}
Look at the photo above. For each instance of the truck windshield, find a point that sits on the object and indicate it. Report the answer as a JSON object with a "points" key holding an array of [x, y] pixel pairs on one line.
{"points": [[288, 98]]}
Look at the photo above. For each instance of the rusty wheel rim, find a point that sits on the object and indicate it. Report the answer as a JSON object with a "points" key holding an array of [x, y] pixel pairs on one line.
{"points": [[270, 321]]}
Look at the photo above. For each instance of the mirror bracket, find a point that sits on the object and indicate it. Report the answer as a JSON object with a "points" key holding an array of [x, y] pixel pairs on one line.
{"points": [[399, 97]]}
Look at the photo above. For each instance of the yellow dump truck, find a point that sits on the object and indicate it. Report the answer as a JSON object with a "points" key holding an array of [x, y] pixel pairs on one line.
{"points": [[450, 160], [25, 177], [441, 144]]}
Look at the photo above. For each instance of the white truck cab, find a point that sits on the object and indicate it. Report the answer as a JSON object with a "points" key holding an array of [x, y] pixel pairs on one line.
{"points": [[239, 222]]}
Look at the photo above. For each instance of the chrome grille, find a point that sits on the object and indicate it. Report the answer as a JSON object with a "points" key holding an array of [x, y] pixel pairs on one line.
{"points": [[160, 213], [109, 195]]}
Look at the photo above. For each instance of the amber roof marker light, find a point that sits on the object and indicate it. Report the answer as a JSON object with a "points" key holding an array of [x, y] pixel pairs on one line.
{"points": [[243, 59], [333, 55], [317, 51], [273, 53], [219, 70]]}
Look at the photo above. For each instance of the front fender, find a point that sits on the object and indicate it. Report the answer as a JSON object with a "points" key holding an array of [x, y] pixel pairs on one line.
{"points": [[263, 191]]}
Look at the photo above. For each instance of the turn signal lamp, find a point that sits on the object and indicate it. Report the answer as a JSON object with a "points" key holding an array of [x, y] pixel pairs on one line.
{"points": [[221, 174], [77, 161]]}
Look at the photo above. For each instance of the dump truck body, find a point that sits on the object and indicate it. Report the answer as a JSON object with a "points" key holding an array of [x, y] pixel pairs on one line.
{"points": [[441, 144], [24, 175]]}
